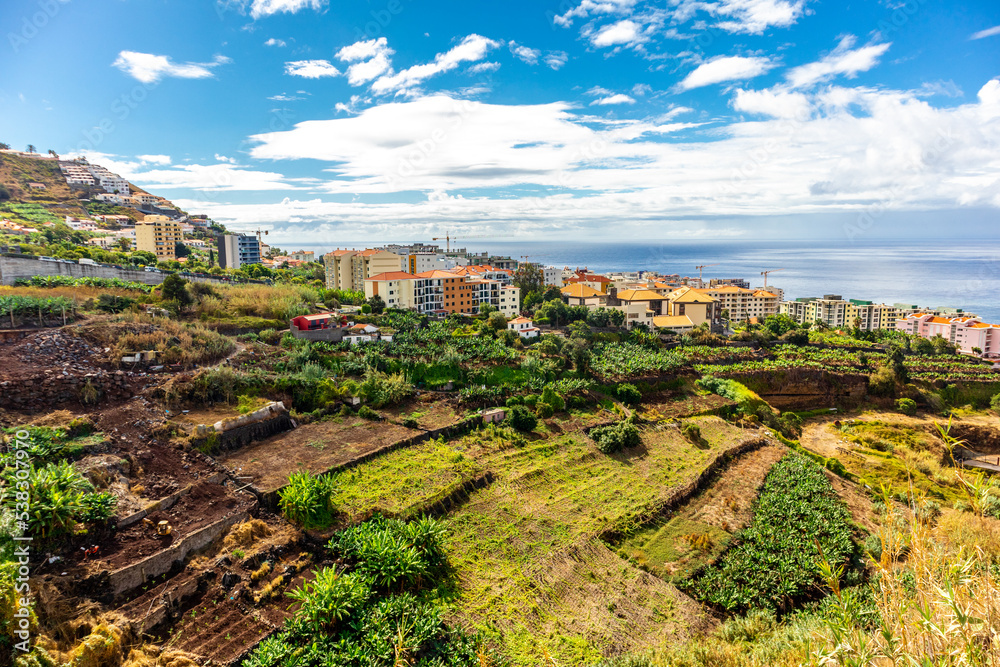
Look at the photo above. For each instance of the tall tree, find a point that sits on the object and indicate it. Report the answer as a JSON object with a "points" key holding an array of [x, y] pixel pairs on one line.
{"points": [[31, 148], [4, 147], [529, 278], [53, 154]]}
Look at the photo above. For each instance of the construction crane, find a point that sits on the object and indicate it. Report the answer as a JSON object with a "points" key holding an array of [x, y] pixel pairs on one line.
{"points": [[258, 232], [448, 238], [703, 266], [767, 273]]}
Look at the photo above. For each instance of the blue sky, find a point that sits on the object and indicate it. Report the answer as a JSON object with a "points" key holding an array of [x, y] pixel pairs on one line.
{"points": [[400, 119]]}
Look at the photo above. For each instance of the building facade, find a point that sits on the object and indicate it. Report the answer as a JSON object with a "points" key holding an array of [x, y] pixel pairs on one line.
{"points": [[967, 333], [159, 235], [236, 250]]}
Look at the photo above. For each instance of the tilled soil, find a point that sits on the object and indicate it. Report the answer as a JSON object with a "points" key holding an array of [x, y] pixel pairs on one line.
{"points": [[206, 504], [316, 447]]}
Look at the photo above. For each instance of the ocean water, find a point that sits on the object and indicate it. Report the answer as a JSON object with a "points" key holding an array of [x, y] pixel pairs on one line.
{"points": [[929, 273]]}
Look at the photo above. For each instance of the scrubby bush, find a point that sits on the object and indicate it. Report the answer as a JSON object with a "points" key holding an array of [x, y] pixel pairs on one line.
{"points": [[995, 403], [692, 432], [907, 406], [553, 399], [616, 437], [521, 419], [544, 410], [367, 413]]}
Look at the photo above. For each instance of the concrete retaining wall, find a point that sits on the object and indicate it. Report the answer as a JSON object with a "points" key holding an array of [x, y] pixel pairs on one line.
{"points": [[132, 576], [166, 503], [13, 267]]}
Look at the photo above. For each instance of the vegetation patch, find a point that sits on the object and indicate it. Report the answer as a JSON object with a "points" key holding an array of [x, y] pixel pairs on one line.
{"points": [[798, 520]]}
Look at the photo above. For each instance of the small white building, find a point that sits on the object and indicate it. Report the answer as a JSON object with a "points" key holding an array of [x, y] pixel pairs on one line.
{"points": [[552, 276], [524, 327]]}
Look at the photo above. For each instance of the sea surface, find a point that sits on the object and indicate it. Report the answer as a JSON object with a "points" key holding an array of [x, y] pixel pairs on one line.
{"points": [[929, 273]]}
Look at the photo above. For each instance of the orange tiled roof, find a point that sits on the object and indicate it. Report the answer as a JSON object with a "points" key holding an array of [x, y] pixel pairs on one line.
{"points": [[519, 320], [391, 275], [639, 295], [580, 291], [438, 273]]}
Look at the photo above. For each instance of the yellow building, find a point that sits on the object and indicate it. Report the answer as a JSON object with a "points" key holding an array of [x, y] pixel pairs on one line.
{"points": [[686, 302], [159, 235], [348, 269]]}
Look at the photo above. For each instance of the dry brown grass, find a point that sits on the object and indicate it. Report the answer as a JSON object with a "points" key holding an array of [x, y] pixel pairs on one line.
{"points": [[245, 534], [175, 342], [275, 302], [79, 293]]}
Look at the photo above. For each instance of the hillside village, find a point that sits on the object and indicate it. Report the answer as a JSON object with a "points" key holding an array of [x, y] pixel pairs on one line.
{"points": [[243, 455]]}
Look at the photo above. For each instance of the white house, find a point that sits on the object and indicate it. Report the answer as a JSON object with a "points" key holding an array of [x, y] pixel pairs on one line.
{"points": [[524, 327]]}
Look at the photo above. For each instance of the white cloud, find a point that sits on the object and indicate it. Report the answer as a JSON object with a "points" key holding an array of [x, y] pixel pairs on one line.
{"points": [[471, 49], [282, 97], [154, 159], [311, 69], [613, 99], [755, 16], [369, 60], [525, 53], [150, 68], [624, 32], [725, 68], [275, 42], [262, 8], [593, 7], [842, 60], [223, 158], [883, 146], [479, 68], [989, 32], [364, 50], [555, 59], [775, 103]]}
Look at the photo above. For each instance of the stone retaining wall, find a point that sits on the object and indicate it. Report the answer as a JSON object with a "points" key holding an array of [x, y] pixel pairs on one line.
{"points": [[52, 388]]}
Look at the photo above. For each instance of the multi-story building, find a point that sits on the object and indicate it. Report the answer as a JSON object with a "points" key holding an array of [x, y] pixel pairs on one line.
{"points": [[699, 308], [838, 313], [736, 282], [236, 250], [870, 316], [578, 294], [396, 288], [598, 282], [967, 333], [348, 269], [160, 235], [303, 255], [743, 303], [551, 276], [831, 310]]}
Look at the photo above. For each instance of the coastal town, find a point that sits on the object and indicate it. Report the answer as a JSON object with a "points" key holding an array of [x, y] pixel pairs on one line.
{"points": [[223, 440]]}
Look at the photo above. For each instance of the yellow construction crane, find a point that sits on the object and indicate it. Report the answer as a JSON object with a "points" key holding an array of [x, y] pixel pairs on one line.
{"points": [[703, 266], [767, 273], [258, 232], [448, 238]]}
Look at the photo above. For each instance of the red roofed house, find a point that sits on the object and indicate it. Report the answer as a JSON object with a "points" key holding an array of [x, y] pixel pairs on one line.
{"points": [[524, 327]]}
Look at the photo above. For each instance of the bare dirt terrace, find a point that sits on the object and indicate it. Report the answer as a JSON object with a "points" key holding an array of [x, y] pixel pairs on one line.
{"points": [[316, 447]]}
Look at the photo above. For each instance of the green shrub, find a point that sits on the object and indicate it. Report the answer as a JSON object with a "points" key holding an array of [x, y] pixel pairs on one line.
{"points": [[995, 403], [308, 500], [410, 422], [367, 413], [553, 399], [628, 394], [907, 406], [616, 437], [531, 400], [109, 303], [514, 400], [544, 410], [80, 427], [521, 419]]}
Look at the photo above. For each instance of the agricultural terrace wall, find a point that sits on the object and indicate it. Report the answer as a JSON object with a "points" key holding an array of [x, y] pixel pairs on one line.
{"points": [[50, 388], [805, 389], [682, 494], [109, 585], [270, 500], [13, 267]]}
